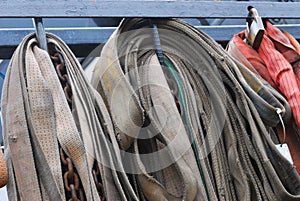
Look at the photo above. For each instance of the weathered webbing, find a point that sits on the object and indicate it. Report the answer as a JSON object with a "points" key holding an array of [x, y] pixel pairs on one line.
{"points": [[240, 164], [190, 187], [172, 129], [67, 134], [121, 91], [37, 118], [95, 124], [40, 112], [243, 163], [16, 134]]}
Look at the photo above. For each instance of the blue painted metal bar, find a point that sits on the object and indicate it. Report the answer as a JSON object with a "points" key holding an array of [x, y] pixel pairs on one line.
{"points": [[149, 8], [92, 35], [83, 40]]}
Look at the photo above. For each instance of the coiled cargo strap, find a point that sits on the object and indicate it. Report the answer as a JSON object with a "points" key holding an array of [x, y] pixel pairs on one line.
{"points": [[198, 93]]}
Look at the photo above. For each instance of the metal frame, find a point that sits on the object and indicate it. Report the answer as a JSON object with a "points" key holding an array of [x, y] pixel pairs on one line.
{"points": [[85, 39], [147, 8]]}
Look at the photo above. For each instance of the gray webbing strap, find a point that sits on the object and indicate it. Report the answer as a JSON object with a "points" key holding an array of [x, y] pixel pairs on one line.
{"points": [[37, 119], [16, 133], [184, 129], [235, 155], [87, 102]]}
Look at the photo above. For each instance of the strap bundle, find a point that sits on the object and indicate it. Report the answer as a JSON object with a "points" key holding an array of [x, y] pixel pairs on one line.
{"points": [[174, 126], [275, 63], [193, 92], [38, 120]]}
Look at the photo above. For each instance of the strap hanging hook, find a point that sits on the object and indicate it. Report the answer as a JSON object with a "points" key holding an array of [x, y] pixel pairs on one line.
{"points": [[255, 28], [40, 33], [157, 43]]}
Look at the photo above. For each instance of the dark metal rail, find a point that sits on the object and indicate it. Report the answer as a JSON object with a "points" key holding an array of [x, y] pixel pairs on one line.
{"points": [[84, 40]]}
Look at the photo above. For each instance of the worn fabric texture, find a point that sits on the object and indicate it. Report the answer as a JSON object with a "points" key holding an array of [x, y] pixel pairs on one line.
{"points": [[37, 120], [168, 115], [276, 63], [188, 87]]}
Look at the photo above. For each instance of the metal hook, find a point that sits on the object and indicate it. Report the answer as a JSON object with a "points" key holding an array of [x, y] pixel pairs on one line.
{"points": [[255, 28], [157, 43], [40, 33]]}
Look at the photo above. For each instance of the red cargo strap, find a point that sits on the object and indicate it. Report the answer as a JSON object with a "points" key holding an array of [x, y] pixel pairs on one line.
{"points": [[256, 65], [278, 62], [282, 74], [285, 47]]}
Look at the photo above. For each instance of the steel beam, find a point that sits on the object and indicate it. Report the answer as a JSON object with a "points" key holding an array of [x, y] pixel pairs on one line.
{"points": [[83, 40], [148, 8]]}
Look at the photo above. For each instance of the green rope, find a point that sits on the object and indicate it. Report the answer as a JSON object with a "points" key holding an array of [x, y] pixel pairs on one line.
{"points": [[181, 98]]}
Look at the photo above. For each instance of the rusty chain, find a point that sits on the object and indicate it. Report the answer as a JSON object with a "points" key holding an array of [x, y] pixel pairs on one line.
{"points": [[97, 179], [73, 185], [72, 182]]}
